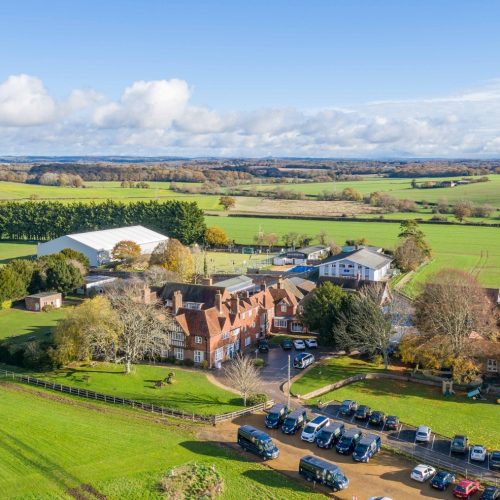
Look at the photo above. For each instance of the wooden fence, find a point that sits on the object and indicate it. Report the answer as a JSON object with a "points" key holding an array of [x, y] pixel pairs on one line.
{"points": [[106, 398]]}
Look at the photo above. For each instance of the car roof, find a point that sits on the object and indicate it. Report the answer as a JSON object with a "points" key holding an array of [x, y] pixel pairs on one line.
{"points": [[333, 425], [318, 419], [254, 432], [422, 466], [297, 413], [353, 430], [368, 438], [320, 463], [425, 428], [277, 407], [347, 401]]}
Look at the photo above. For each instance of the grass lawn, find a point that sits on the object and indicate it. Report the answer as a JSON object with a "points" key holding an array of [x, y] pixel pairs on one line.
{"points": [[229, 262], [16, 250], [191, 390], [48, 446], [453, 246], [415, 404]]}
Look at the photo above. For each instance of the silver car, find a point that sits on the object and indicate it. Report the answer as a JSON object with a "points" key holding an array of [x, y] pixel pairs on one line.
{"points": [[423, 434]]}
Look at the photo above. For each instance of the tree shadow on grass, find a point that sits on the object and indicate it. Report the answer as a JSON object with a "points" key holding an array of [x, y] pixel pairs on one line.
{"points": [[218, 449], [280, 482]]}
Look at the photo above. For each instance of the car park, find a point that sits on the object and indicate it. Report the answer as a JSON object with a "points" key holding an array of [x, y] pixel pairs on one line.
{"points": [[276, 415], [478, 453], [442, 480], [377, 418], [263, 345], [392, 423], [313, 427], [330, 434], [495, 460], [459, 444], [323, 472], [422, 472], [258, 442], [286, 344], [490, 493], [348, 407], [366, 448], [303, 360], [465, 488], [299, 344], [348, 441], [311, 343], [423, 434], [294, 421], [363, 412]]}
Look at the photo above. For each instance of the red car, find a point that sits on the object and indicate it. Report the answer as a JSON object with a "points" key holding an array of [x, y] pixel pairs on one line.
{"points": [[465, 488]]}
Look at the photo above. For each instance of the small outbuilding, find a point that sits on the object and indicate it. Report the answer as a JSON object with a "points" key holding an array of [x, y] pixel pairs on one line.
{"points": [[38, 301], [95, 283]]}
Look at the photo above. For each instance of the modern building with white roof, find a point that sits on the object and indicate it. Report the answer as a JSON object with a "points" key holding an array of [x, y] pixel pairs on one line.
{"points": [[97, 245]]}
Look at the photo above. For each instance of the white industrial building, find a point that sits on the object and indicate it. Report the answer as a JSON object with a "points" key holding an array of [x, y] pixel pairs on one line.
{"points": [[97, 245]]}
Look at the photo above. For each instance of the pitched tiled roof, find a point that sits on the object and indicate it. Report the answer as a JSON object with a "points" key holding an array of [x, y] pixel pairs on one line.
{"points": [[363, 256], [201, 294]]}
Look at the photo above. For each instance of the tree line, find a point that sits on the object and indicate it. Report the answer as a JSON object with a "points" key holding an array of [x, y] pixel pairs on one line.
{"points": [[45, 220]]}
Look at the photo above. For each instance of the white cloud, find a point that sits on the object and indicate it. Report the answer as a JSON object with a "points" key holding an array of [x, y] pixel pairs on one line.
{"points": [[157, 118]]}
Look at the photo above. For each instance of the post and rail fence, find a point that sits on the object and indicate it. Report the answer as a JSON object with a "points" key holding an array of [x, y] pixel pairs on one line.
{"points": [[139, 405]]}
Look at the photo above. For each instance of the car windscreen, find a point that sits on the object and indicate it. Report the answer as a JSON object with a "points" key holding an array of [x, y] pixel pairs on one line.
{"points": [[324, 435], [495, 455], [459, 441], [346, 440], [289, 421], [361, 448], [269, 445], [309, 429], [273, 416], [460, 488], [441, 475]]}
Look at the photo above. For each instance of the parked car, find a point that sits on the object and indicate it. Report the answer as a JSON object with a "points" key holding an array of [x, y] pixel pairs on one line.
{"points": [[348, 441], [495, 459], [311, 343], [258, 442], [478, 453], [366, 448], [392, 423], [329, 435], [313, 427], [294, 421], [363, 412], [377, 418], [422, 472], [286, 344], [460, 444], [490, 493], [348, 407], [380, 498], [423, 434], [303, 360], [263, 345], [276, 415], [322, 471], [442, 480], [465, 488], [299, 344]]}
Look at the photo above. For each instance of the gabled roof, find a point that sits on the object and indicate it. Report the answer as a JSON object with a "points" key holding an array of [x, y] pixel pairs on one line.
{"points": [[237, 283], [108, 238], [201, 294], [363, 256], [311, 249], [304, 285]]}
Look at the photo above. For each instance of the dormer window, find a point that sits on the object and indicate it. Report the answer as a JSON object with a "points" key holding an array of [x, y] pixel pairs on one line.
{"points": [[283, 307]]}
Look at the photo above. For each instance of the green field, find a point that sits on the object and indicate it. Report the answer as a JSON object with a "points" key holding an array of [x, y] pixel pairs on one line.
{"points": [[49, 445], [415, 404], [191, 391], [453, 246], [16, 250]]}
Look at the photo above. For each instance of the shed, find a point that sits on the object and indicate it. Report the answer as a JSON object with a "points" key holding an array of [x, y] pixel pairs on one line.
{"points": [[38, 301]]}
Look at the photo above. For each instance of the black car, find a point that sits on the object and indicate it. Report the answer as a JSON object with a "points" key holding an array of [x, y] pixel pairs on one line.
{"points": [[490, 493], [392, 423], [495, 460], [287, 344], [377, 418], [460, 444], [442, 480], [263, 345], [348, 407], [363, 412]]}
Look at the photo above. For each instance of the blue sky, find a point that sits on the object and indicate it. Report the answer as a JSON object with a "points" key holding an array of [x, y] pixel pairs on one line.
{"points": [[297, 60]]}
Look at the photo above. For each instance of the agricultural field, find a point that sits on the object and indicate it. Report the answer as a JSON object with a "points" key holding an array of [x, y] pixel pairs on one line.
{"points": [[190, 390], [474, 249], [16, 250], [415, 404], [54, 446]]}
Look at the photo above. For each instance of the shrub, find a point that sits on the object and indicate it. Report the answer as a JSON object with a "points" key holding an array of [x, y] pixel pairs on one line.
{"points": [[378, 359], [255, 399], [170, 359], [6, 304], [204, 364], [47, 308], [192, 482], [258, 362], [188, 362]]}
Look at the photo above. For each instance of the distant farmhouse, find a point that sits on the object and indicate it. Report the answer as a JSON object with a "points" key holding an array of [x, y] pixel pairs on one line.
{"points": [[97, 245], [302, 256]]}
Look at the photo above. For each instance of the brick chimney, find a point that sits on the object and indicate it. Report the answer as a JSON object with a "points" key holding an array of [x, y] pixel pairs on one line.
{"points": [[176, 301], [218, 302], [279, 284], [263, 286], [235, 302], [206, 281]]}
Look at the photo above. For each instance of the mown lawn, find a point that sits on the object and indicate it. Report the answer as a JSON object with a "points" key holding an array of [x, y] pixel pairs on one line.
{"points": [[191, 391], [453, 246], [16, 250], [48, 447], [415, 404]]}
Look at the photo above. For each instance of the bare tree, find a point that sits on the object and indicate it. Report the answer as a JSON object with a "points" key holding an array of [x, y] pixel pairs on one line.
{"points": [[408, 255], [145, 328], [243, 376]]}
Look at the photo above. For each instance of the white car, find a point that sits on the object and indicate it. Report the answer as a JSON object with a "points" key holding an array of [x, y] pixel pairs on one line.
{"points": [[313, 427], [423, 434], [299, 344], [311, 343], [478, 453], [422, 472]]}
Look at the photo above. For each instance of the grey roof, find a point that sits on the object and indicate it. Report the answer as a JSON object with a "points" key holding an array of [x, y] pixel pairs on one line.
{"points": [[96, 278], [311, 249], [41, 295], [237, 283], [363, 256], [201, 294]]}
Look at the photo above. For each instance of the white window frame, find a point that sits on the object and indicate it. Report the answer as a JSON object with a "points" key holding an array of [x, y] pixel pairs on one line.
{"points": [[179, 336], [198, 339], [198, 356], [179, 353], [284, 307], [219, 354], [280, 323], [248, 340]]}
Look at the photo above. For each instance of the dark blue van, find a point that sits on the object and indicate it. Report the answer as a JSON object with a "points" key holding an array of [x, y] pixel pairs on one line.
{"points": [[349, 441], [366, 448], [276, 415], [258, 442], [294, 421], [323, 472]]}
